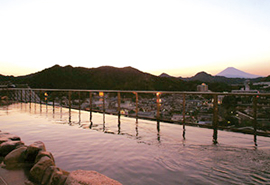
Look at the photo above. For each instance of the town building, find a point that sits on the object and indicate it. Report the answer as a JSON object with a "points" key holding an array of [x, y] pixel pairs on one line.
{"points": [[202, 88], [246, 89]]}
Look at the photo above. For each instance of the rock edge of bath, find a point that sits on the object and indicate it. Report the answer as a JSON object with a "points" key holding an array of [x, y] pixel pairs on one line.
{"points": [[40, 164]]}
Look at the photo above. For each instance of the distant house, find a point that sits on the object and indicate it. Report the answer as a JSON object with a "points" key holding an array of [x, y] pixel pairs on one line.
{"points": [[202, 88], [246, 89], [126, 105], [6, 84], [177, 117], [265, 84]]}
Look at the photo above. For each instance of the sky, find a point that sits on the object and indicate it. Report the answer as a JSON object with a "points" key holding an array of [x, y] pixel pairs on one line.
{"points": [[178, 37]]}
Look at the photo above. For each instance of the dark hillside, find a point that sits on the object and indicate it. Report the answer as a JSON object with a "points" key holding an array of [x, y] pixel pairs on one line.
{"points": [[127, 78], [105, 77], [207, 78]]}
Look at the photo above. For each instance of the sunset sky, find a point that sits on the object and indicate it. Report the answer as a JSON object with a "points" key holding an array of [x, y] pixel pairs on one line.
{"points": [[178, 37]]}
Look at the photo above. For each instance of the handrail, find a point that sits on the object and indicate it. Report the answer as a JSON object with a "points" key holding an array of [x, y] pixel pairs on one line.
{"points": [[142, 91], [215, 125]]}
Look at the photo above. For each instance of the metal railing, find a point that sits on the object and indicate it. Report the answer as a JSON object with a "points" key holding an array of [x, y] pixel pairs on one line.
{"points": [[217, 110]]}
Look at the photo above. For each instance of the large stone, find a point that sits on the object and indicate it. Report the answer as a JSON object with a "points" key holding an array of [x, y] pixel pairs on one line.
{"points": [[42, 154], [9, 136], [89, 177], [14, 138], [38, 145], [33, 150], [8, 146], [38, 170], [58, 177], [3, 139], [16, 158], [47, 175], [54, 175]]}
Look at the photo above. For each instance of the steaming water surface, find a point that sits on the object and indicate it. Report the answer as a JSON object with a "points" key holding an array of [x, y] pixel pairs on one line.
{"points": [[136, 153]]}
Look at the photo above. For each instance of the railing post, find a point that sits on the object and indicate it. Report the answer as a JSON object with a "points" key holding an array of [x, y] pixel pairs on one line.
{"points": [[184, 116], [103, 100], [136, 126], [255, 119], [35, 100], [25, 99], [137, 107], [215, 119], [158, 110], [21, 98], [102, 95], [69, 107], [16, 97], [0, 101], [90, 104], [7, 100], [46, 99], [119, 107], [30, 99], [40, 102], [79, 107], [60, 99], [53, 108]]}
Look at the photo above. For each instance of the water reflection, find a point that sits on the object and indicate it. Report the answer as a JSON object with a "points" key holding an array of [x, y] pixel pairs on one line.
{"points": [[255, 141], [119, 128], [136, 128], [235, 160], [104, 127], [67, 115], [111, 125], [184, 133], [79, 117], [158, 131], [158, 136], [91, 125]]}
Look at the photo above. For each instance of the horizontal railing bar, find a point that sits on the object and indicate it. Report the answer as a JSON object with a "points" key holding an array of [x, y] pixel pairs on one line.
{"points": [[140, 91], [28, 92]]}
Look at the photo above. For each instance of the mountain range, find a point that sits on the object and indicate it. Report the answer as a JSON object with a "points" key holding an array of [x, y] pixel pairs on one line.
{"points": [[229, 76], [229, 72], [112, 78], [105, 77]]}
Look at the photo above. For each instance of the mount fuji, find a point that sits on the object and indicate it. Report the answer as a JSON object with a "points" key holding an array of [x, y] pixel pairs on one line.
{"points": [[232, 72]]}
